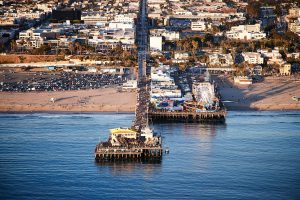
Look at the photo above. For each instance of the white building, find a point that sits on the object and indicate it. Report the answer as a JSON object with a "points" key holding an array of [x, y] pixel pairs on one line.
{"points": [[168, 35], [181, 55], [126, 18], [30, 38], [273, 57], [253, 58], [200, 25], [248, 28], [163, 85], [221, 60], [93, 18], [121, 25], [242, 80], [294, 12], [246, 32], [295, 26], [156, 43]]}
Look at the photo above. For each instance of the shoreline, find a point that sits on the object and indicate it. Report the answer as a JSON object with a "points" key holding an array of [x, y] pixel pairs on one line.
{"points": [[63, 112], [129, 112]]}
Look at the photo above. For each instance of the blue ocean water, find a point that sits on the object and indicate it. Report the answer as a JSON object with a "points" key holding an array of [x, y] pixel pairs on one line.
{"points": [[254, 155]]}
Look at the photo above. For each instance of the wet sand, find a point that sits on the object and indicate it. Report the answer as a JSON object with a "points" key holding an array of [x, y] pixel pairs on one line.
{"points": [[98, 100], [273, 93]]}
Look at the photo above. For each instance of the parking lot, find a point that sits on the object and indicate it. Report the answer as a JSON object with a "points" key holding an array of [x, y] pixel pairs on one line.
{"points": [[23, 82]]}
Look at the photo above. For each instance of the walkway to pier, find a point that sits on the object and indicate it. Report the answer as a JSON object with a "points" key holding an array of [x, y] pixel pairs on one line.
{"points": [[143, 96]]}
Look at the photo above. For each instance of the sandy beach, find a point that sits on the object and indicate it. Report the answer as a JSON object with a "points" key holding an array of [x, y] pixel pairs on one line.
{"points": [[273, 93], [98, 100]]}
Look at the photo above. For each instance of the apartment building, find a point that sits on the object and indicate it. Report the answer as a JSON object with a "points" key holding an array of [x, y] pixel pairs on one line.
{"points": [[220, 60], [245, 32], [156, 43], [295, 26], [273, 56], [200, 25], [253, 58]]}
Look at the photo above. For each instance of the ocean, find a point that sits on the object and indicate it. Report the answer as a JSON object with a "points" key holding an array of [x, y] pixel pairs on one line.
{"points": [[254, 155]]}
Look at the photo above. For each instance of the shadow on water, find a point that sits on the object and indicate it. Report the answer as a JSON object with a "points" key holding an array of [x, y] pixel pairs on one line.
{"points": [[207, 129], [126, 167], [185, 137]]}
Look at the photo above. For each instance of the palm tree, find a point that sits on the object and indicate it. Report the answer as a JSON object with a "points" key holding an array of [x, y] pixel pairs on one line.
{"points": [[71, 47], [63, 52], [78, 47], [186, 45], [179, 44], [13, 45], [195, 46]]}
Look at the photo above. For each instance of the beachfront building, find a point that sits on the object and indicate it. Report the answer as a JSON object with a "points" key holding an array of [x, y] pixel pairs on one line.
{"points": [[163, 88]]}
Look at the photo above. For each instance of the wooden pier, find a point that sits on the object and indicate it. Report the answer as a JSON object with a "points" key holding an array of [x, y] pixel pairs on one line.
{"points": [[134, 153], [185, 116]]}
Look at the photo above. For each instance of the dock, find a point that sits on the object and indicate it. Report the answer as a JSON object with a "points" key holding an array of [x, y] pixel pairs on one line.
{"points": [[185, 116], [134, 153]]}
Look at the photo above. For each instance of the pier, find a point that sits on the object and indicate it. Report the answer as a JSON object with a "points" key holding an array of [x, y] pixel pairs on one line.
{"points": [[184, 116], [134, 153], [143, 93], [138, 142]]}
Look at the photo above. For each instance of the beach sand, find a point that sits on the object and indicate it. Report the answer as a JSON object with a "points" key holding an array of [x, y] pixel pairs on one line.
{"points": [[273, 93], [270, 94], [97, 100]]}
